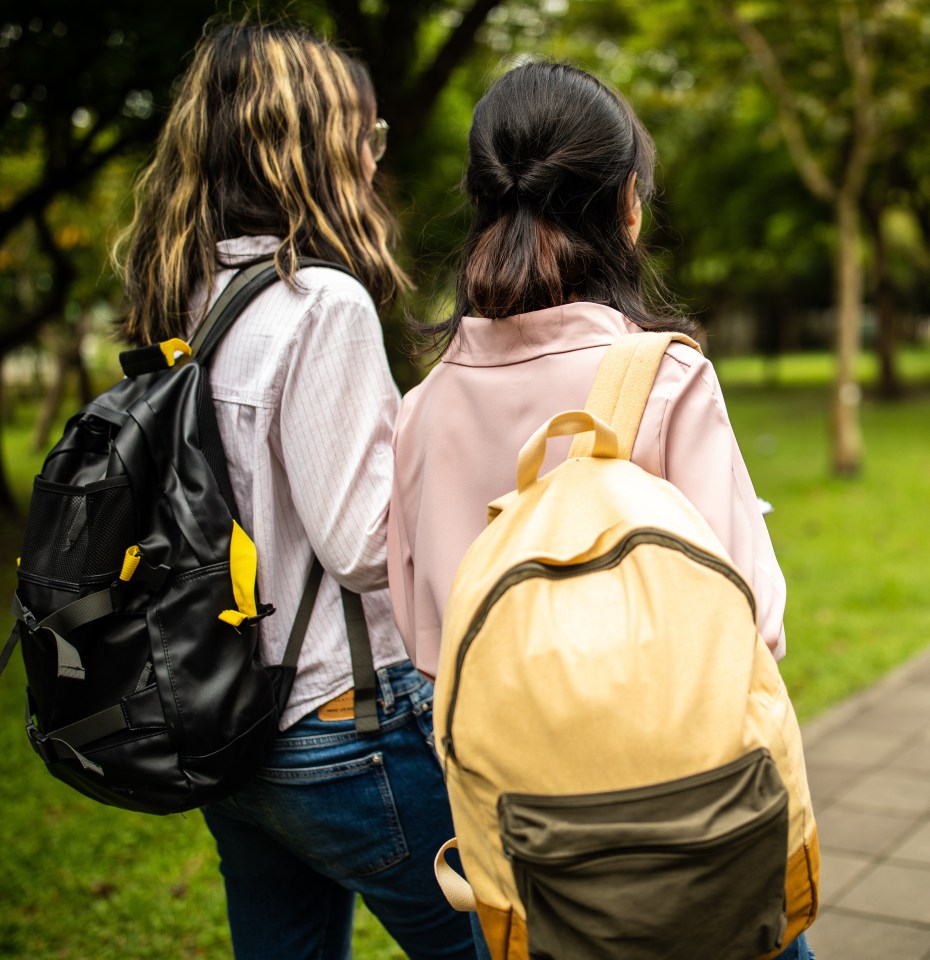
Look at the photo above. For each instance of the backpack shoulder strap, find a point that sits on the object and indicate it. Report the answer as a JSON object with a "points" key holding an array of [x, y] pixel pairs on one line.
{"points": [[622, 385], [247, 284]]}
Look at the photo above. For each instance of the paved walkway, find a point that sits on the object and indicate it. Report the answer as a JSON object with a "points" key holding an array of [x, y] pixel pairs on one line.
{"points": [[868, 761]]}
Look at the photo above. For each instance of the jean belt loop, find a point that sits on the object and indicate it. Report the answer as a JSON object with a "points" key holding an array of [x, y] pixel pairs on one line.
{"points": [[387, 691]]}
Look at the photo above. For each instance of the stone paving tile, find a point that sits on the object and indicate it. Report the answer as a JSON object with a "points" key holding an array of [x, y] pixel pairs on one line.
{"points": [[887, 716], [891, 891], [916, 757], [889, 791], [868, 763], [854, 748], [826, 782], [838, 871], [915, 846], [912, 697], [920, 671], [860, 831], [839, 936]]}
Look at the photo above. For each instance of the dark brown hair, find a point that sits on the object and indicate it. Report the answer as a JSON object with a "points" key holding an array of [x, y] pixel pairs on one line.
{"points": [[554, 156]]}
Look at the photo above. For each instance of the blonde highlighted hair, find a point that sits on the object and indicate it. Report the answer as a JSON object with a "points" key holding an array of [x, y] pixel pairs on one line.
{"points": [[265, 137]]}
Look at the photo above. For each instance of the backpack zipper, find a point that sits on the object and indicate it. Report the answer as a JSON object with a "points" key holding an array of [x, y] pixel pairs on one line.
{"points": [[537, 568]]}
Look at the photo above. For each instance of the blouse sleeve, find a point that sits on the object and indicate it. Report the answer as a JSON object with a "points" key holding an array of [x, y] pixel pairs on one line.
{"points": [[337, 415], [400, 557], [699, 455]]}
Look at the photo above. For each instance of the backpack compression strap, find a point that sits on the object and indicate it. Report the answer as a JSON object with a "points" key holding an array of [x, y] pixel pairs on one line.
{"points": [[363, 668], [622, 385]]}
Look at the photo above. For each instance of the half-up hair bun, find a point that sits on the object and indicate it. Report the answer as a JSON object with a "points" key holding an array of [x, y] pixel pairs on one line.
{"points": [[491, 180], [558, 165]]}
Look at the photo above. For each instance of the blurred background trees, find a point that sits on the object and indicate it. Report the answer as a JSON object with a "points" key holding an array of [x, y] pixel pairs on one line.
{"points": [[793, 139]]}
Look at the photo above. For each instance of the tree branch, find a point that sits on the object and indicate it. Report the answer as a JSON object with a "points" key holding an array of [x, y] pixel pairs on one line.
{"points": [[433, 79], [33, 202], [864, 120], [63, 274], [769, 67]]}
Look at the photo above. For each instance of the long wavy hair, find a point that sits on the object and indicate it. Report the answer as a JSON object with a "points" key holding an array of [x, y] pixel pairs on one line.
{"points": [[557, 162], [264, 137]]}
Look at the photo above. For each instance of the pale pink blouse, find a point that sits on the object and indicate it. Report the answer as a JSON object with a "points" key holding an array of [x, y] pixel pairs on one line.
{"points": [[459, 432]]}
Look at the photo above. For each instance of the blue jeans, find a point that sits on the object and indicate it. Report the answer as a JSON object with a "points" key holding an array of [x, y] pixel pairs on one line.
{"points": [[797, 950], [334, 814]]}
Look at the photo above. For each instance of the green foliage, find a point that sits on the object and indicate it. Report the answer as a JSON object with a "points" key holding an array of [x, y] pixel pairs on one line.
{"points": [[739, 231]]}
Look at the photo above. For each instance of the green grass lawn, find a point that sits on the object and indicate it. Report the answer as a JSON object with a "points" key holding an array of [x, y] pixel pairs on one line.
{"points": [[853, 551], [85, 882]]}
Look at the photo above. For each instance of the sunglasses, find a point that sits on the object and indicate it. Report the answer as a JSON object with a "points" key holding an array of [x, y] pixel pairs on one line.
{"points": [[377, 139]]}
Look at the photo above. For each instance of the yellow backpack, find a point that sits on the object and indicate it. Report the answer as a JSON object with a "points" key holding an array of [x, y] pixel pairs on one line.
{"points": [[624, 764]]}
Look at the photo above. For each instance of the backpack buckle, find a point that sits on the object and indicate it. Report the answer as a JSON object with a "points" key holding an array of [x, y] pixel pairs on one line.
{"points": [[38, 742], [28, 618], [261, 611]]}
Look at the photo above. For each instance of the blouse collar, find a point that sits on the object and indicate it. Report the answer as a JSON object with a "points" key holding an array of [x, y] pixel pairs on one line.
{"points": [[480, 342], [233, 251]]}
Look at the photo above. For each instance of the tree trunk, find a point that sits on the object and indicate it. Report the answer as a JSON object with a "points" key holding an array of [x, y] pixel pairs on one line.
{"points": [[50, 405], [68, 357], [847, 435], [889, 384], [84, 383], [9, 508]]}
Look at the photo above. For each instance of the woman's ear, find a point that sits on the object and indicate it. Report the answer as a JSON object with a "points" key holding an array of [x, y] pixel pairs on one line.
{"points": [[633, 209]]}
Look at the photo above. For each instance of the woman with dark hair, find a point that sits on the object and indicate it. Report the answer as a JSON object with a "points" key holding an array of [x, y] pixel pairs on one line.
{"points": [[270, 149], [559, 171]]}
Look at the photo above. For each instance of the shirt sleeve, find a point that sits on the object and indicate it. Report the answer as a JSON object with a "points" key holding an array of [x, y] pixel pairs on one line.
{"points": [[400, 559], [338, 405], [701, 457]]}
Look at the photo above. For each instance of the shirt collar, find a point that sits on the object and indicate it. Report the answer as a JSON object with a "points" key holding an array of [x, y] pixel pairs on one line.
{"points": [[237, 249], [480, 342]]}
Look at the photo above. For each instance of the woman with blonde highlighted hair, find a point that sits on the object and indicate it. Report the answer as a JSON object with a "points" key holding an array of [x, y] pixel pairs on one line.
{"points": [[270, 149]]}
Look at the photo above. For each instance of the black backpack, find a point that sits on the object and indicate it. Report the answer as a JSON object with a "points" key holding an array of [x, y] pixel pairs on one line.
{"points": [[136, 602]]}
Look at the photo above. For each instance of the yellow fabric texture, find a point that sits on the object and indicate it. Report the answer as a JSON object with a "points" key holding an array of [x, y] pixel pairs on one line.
{"points": [[524, 701], [243, 568]]}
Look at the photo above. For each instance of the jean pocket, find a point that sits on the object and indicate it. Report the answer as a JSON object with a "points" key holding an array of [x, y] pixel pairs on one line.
{"points": [[670, 870], [341, 817]]}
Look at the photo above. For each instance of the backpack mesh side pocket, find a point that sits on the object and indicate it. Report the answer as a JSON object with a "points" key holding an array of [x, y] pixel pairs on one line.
{"points": [[111, 525], [55, 539], [77, 535]]}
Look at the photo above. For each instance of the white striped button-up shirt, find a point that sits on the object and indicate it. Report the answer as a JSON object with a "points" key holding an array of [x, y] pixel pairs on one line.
{"points": [[306, 406]]}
